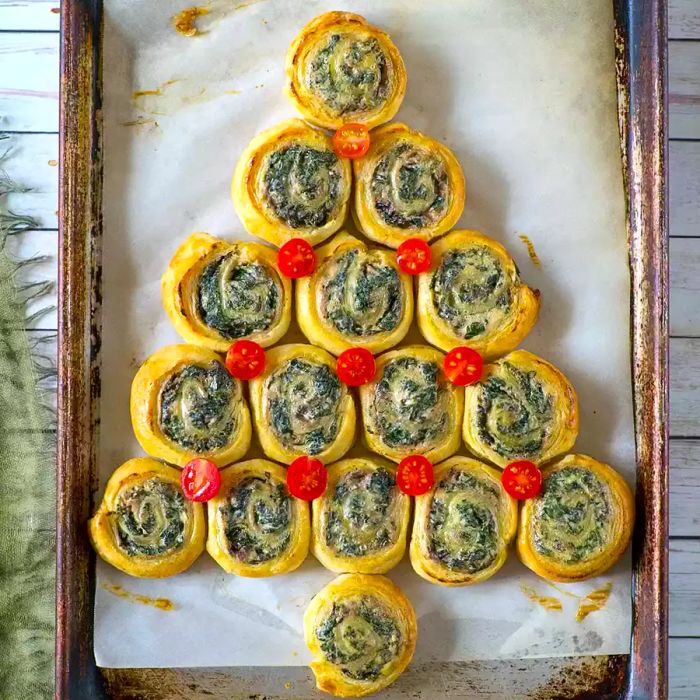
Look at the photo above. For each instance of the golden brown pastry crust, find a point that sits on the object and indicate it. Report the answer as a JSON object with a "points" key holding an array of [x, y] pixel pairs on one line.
{"points": [[344, 593], [482, 323], [311, 302], [602, 506], [335, 108], [180, 290], [143, 472]]}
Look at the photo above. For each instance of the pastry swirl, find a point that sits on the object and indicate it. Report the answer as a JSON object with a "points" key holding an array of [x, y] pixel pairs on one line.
{"points": [[522, 408], [581, 522], [407, 186], [289, 183], [185, 404], [357, 296], [144, 526], [256, 528], [341, 69], [360, 523], [472, 295], [300, 406], [410, 407], [216, 292], [361, 631], [463, 525]]}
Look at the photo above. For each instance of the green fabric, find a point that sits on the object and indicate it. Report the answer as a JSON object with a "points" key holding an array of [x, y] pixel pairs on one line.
{"points": [[27, 475]]}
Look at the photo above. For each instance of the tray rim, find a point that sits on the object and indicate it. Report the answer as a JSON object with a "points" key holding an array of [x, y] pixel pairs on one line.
{"points": [[640, 43]]}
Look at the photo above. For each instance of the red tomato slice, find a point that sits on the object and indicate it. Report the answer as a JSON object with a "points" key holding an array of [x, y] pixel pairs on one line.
{"points": [[414, 256], [245, 359], [355, 366], [522, 479], [414, 475], [296, 258], [351, 141], [200, 480], [306, 478], [463, 366]]}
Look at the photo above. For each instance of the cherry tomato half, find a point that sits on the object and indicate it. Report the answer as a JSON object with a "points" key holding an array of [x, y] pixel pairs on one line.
{"points": [[355, 366], [351, 141], [245, 359], [463, 366], [296, 258], [522, 479], [306, 478], [413, 256], [200, 479], [414, 475]]}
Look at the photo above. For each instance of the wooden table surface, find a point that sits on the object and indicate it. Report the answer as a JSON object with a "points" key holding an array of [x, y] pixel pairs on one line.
{"points": [[29, 54]]}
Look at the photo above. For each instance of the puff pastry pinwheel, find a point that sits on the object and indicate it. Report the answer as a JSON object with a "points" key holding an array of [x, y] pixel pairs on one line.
{"points": [[341, 69], [581, 522], [361, 631], [357, 296], [185, 404], [144, 525], [216, 292], [463, 526], [410, 407], [289, 183], [472, 295], [407, 186], [256, 528], [522, 408], [361, 521], [300, 406]]}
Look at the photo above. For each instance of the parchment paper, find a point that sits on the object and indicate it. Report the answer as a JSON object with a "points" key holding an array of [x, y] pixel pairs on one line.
{"points": [[524, 94]]}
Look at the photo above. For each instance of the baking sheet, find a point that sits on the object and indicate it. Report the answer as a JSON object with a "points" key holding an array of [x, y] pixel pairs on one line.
{"points": [[524, 93]]}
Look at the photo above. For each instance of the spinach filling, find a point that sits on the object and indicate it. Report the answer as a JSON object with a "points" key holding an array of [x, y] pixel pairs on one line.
{"points": [[362, 515], [257, 517], [409, 407], [362, 296], [150, 519], [199, 407], [471, 291], [303, 185], [360, 636], [349, 75], [410, 187], [304, 405], [572, 517], [514, 413], [237, 299], [463, 530]]}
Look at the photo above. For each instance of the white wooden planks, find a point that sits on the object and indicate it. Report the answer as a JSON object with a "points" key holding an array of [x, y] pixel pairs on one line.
{"points": [[684, 89], [33, 15], [683, 19]]}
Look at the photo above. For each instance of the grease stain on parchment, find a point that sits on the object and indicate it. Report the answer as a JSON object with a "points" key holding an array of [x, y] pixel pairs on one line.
{"points": [[159, 603], [587, 604], [530, 250], [185, 22], [594, 601], [547, 602]]}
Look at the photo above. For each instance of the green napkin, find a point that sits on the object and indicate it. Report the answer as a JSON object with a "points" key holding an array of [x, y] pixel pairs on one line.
{"points": [[27, 476]]}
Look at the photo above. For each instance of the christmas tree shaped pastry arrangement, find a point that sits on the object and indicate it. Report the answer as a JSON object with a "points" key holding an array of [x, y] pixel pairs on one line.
{"points": [[196, 406]]}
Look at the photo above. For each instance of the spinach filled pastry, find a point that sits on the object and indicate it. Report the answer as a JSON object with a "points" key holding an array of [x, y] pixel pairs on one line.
{"points": [[289, 183], [407, 186], [256, 528], [361, 521], [464, 525], [185, 404], [581, 522], [472, 295], [521, 408], [357, 296], [341, 69], [144, 525], [300, 406], [411, 407], [361, 631], [216, 292]]}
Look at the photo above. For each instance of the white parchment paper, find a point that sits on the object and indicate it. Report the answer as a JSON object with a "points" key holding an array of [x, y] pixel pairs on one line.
{"points": [[524, 94]]}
